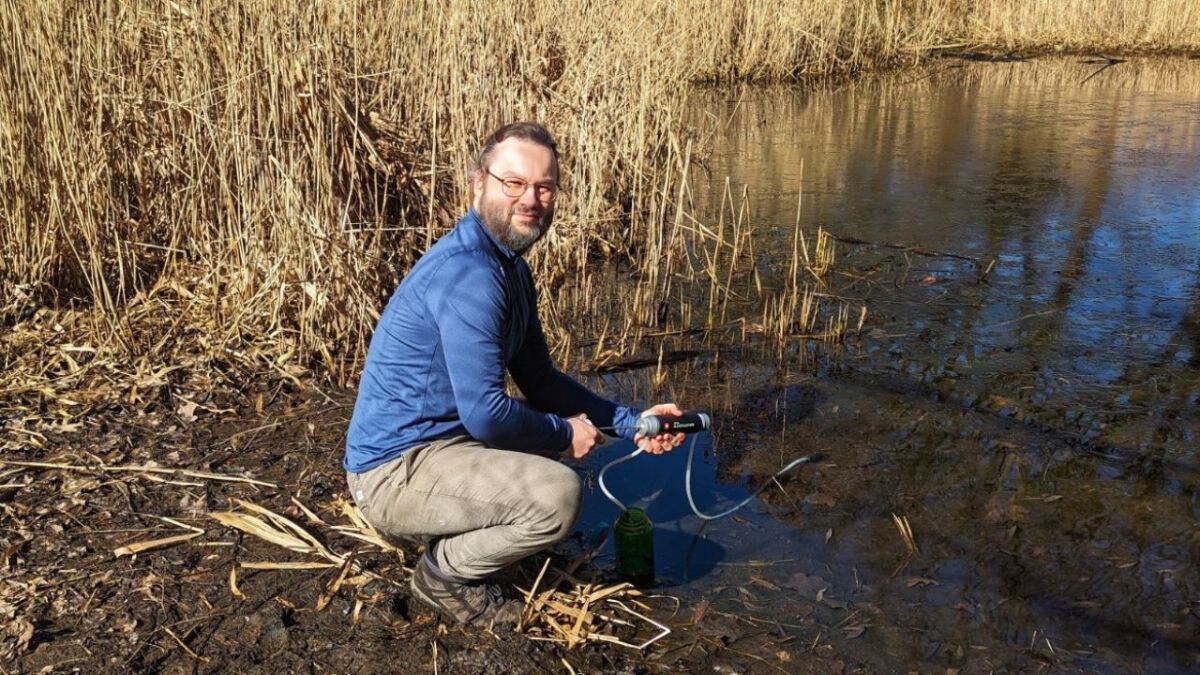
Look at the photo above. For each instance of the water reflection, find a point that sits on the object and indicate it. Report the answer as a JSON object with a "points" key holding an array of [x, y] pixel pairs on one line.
{"points": [[1035, 422], [1087, 196]]}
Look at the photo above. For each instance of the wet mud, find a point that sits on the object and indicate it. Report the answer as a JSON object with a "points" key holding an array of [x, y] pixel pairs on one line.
{"points": [[176, 609]]}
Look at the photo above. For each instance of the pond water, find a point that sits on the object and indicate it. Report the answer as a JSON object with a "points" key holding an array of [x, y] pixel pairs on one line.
{"points": [[1027, 404]]}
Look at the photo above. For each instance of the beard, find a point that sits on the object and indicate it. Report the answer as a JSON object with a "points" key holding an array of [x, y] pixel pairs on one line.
{"points": [[497, 217]]}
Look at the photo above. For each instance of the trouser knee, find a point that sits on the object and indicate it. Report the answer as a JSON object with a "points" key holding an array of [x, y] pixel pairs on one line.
{"points": [[558, 501]]}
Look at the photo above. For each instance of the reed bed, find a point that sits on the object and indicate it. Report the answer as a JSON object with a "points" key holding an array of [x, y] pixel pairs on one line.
{"points": [[232, 188]]}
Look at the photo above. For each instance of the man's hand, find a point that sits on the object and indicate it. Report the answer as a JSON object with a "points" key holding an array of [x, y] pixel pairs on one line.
{"points": [[657, 445], [584, 437]]}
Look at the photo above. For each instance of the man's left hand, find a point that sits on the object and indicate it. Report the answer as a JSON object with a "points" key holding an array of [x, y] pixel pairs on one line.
{"points": [[657, 445]]}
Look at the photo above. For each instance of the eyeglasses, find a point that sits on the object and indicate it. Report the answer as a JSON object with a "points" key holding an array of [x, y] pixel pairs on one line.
{"points": [[514, 188]]}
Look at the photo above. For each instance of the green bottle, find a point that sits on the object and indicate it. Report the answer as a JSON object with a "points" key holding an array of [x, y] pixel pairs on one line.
{"points": [[634, 543]]}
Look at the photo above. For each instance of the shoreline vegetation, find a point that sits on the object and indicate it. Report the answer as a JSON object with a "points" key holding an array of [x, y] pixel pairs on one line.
{"points": [[194, 196]]}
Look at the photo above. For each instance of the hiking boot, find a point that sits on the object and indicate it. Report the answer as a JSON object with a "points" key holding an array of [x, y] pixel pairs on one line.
{"points": [[474, 602]]}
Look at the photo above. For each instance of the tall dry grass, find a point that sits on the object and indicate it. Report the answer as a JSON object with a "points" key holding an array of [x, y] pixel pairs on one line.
{"points": [[233, 187], [243, 182]]}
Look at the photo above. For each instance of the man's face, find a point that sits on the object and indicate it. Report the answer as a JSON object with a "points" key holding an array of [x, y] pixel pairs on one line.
{"points": [[520, 221]]}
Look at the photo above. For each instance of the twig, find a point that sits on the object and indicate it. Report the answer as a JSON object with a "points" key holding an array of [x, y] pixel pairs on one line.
{"points": [[529, 607], [742, 653], [1022, 318], [142, 469], [919, 250], [795, 504], [187, 649], [756, 563], [1111, 62]]}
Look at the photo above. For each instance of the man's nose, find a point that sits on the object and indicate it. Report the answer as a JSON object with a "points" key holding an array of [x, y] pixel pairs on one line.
{"points": [[529, 197]]}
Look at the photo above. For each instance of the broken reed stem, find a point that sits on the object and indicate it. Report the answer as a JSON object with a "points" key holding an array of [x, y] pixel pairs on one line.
{"points": [[141, 469], [525, 611], [906, 533]]}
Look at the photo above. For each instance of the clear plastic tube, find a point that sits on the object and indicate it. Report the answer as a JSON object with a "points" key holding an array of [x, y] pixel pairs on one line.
{"points": [[687, 480]]}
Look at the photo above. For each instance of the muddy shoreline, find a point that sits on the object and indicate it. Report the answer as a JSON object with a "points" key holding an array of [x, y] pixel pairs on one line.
{"points": [[842, 594], [173, 609]]}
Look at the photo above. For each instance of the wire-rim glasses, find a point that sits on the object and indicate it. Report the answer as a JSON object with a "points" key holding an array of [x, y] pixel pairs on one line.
{"points": [[514, 188]]}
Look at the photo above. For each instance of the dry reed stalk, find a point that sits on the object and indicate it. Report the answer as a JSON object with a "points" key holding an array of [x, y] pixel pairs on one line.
{"points": [[575, 616], [138, 547], [906, 533], [141, 469], [282, 531]]}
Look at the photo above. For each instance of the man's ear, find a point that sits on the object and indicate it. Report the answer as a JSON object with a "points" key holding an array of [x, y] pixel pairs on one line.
{"points": [[477, 179]]}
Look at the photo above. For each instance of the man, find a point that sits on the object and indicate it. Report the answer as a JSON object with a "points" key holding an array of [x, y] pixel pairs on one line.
{"points": [[436, 449]]}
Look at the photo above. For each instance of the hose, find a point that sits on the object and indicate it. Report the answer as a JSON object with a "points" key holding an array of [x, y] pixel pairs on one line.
{"points": [[687, 480]]}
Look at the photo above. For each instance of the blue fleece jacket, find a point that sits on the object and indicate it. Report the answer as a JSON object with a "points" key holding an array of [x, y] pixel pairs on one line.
{"points": [[466, 312]]}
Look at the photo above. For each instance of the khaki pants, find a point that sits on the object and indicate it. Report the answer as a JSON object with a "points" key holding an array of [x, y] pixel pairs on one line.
{"points": [[485, 508]]}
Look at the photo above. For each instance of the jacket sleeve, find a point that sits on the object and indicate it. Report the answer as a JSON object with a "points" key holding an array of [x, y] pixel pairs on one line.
{"points": [[548, 388], [467, 298]]}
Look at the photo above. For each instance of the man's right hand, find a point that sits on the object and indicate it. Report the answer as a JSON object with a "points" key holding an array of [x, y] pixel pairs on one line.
{"points": [[584, 437]]}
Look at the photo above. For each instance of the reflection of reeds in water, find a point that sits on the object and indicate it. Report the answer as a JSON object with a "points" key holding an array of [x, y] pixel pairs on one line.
{"points": [[954, 124]]}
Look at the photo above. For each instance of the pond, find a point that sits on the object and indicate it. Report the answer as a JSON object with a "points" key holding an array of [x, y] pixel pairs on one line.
{"points": [[1026, 239]]}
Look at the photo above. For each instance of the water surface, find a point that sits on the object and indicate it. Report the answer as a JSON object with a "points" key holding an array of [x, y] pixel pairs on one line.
{"points": [[1028, 406]]}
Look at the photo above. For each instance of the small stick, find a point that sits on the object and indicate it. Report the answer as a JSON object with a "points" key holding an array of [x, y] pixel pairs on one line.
{"points": [[579, 621], [529, 596], [141, 469], [1022, 318], [919, 250], [187, 649]]}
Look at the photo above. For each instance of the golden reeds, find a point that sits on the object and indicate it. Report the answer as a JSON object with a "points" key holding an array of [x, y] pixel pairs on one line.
{"points": [[233, 187]]}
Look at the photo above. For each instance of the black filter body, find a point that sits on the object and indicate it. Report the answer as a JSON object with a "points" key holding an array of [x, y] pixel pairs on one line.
{"points": [[687, 423]]}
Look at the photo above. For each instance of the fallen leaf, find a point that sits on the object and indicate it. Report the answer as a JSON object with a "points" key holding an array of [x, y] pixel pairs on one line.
{"points": [[834, 603], [187, 412], [855, 631], [699, 611], [20, 632], [828, 535], [922, 581], [818, 499], [759, 581], [804, 584]]}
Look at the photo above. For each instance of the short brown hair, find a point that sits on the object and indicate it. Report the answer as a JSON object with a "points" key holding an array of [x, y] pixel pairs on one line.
{"points": [[526, 131]]}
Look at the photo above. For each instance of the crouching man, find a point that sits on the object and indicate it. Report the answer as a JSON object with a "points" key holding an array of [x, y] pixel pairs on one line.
{"points": [[436, 450]]}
